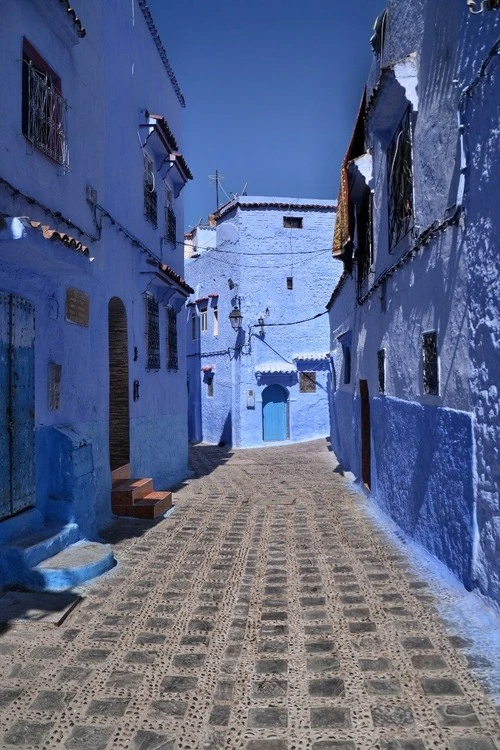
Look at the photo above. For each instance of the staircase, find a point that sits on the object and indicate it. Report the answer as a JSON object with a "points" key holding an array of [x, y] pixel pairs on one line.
{"points": [[135, 498]]}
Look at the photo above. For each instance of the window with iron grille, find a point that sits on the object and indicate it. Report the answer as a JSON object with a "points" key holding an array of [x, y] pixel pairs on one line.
{"points": [[400, 181], [307, 382], [289, 282], [170, 218], [292, 222], [150, 194], [430, 363], [172, 354], [364, 248], [43, 107], [381, 370], [152, 333]]}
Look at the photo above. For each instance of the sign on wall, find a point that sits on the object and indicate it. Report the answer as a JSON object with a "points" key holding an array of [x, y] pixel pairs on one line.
{"points": [[77, 306]]}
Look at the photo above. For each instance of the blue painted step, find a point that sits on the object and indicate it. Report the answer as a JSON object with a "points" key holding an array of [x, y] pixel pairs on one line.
{"points": [[78, 563]]}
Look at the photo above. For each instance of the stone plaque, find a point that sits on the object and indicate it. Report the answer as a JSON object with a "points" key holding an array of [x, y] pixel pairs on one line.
{"points": [[54, 385], [77, 306]]}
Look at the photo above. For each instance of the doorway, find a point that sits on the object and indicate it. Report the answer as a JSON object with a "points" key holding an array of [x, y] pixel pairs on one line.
{"points": [[119, 413], [17, 404], [274, 413], [365, 433]]}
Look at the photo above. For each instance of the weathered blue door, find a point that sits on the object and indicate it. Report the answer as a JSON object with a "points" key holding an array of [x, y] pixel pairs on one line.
{"points": [[17, 397], [275, 413]]}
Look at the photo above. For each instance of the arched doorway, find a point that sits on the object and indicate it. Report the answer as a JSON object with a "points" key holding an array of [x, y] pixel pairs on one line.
{"points": [[119, 417], [275, 413]]}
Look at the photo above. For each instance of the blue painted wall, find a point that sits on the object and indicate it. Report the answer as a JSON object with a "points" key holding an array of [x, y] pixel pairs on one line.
{"points": [[254, 255], [109, 77], [434, 458]]}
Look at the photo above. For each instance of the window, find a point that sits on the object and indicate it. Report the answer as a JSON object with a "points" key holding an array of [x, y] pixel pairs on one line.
{"points": [[289, 282], [210, 386], [172, 355], [150, 195], [204, 320], [194, 326], [292, 222], [170, 218], [430, 363], [381, 370], [216, 321], [152, 333], [43, 107], [307, 382], [346, 350], [400, 182], [364, 240]]}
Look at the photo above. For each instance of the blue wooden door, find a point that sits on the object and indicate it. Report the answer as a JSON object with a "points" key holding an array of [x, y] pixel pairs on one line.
{"points": [[17, 386], [275, 413]]}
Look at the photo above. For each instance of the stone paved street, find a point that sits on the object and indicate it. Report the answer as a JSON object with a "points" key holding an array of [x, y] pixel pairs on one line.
{"points": [[265, 614]]}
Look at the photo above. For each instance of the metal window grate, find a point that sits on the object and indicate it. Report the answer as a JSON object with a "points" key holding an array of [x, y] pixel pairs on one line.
{"points": [[150, 194], [430, 363], [172, 353], [44, 114], [170, 226], [152, 333], [292, 222], [400, 181], [307, 382], [381, 370]]}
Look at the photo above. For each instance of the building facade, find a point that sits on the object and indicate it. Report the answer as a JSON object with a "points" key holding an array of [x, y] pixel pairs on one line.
{"points": [[414, 318], [262, 376], [92, 346]]}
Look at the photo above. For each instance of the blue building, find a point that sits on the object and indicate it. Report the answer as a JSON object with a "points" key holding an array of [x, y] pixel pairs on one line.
{"points": [[257, 349], [414, 319], [92, 346]]}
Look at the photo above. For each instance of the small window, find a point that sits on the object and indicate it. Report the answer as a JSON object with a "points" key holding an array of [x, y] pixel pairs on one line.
{"points": [[216, 321], [381, 370], [430, 363], [150, 195], [43, 107], [194, 326], [289, 282], [210, 387], [170, 218], [347, 363], [172, 353], [400, 181], [307, 382], [204, 320], [292, 222], [152, 333]]}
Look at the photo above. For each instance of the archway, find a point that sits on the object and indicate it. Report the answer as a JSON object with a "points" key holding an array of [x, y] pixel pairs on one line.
{"points": [[274, 413], [119, 416]]}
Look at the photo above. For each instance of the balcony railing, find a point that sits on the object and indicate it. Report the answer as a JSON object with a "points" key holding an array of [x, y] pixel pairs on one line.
{"points": [[45, 115]]}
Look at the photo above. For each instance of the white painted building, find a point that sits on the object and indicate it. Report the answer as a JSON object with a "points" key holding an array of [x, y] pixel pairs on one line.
{"points": [[91, 265]]}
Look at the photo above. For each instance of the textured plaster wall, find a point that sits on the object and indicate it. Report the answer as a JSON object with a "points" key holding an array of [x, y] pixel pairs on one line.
{"points": [[440, 481], [107, 78], [481, 114], [249, 246]]}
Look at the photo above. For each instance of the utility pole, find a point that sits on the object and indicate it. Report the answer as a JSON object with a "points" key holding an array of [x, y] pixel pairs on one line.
{"points": [[217, 179]]}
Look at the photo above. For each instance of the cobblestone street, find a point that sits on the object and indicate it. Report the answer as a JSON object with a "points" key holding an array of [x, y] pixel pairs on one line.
{"points": [[266, 613]]}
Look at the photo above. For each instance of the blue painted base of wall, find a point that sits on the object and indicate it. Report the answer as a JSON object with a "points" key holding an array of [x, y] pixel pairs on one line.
{"points": [[159, 449], [422, 470]]}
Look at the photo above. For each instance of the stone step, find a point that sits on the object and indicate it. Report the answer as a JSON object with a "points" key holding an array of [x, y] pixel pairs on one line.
{"points": [[72, 566], [118, 476], [151, 507], [28, 551], [128, 492]]}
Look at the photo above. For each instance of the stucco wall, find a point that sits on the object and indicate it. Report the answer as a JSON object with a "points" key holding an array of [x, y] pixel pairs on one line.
{"points": [[435, 466], [257, 254]]}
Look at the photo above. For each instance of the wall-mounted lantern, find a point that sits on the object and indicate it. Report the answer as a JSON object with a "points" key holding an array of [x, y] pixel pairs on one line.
{"points": [[236, 319], [260, 321]]}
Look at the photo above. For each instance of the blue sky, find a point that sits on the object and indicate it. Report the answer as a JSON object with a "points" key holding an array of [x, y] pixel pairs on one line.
{"points": [[272, 89]]}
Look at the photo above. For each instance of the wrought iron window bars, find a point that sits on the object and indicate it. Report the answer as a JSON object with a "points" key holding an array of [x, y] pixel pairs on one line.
{"points": [[400, 181]]}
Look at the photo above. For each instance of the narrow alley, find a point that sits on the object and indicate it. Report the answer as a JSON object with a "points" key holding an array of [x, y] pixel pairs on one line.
{"points": [[266, 613]]}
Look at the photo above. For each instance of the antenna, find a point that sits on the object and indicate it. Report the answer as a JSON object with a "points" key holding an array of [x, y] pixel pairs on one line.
{"points": [[217, 178], [244, 191]]}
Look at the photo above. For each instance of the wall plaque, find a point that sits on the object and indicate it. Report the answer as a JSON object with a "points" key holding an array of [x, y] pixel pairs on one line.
{"points": [[77, 306], [54, 385]]}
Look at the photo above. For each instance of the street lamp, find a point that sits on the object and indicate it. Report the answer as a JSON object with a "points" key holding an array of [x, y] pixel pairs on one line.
{"points": [[236, 319]]}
